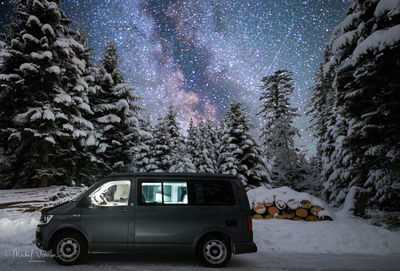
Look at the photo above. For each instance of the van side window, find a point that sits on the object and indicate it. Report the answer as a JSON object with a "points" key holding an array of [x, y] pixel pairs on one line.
{"points": [[164, 192], [175, 193], [211, 192], [151, 193], [114, 193]]}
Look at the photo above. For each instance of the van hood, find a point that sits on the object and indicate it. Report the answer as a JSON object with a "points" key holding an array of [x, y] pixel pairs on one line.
{"points": [[59, 208]]}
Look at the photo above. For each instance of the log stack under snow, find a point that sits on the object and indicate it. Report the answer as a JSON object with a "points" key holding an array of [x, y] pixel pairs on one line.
{"points": [[285, 203]]}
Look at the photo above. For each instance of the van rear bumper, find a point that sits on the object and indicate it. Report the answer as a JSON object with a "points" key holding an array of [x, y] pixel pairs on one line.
{"points": [[245, 247]]}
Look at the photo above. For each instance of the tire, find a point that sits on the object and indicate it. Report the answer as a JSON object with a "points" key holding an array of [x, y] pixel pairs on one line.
{"points": [[214, 251], [69, 248]]}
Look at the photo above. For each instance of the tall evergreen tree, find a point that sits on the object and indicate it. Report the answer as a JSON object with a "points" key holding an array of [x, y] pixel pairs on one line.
{"points": [[115, 113], [278, 131], [197, 148], [240, 154], [364, 82], [142, 158], [168, 143], [43, 97]]}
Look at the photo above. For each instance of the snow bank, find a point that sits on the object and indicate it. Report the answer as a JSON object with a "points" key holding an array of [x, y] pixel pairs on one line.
{"points": [[352, 236], [18, 229]]}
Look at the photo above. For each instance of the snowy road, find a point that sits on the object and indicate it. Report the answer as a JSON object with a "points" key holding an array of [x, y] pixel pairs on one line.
{"points": [[257, 261]]}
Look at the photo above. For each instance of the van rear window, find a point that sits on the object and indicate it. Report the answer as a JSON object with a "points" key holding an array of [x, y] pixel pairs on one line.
{"points": [[211, 192]]}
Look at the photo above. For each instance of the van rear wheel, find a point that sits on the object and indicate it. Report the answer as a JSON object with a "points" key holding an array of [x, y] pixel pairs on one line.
{"points": [[214, 251], [69, 248]]}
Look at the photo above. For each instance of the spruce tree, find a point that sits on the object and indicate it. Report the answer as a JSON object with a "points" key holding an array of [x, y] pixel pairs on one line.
{"points": [[168, 143], [142, 158], [43, 97], [278, 131], [240, 154], [197, 148], [115, 114], [363, 82]]}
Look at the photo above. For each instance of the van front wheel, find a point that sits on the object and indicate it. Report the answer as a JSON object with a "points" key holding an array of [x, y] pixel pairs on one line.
{"points": [[69, 248], [214, 251]]}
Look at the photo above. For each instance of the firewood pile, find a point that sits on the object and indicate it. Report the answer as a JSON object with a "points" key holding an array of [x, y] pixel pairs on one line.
{"points": [[285, 203]]}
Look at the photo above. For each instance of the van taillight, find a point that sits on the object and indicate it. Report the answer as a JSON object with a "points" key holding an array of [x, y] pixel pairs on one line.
{"points": [[250, 222]]}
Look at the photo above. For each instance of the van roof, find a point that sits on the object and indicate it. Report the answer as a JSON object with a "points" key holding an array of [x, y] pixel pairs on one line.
{"points": [[170, 174]]}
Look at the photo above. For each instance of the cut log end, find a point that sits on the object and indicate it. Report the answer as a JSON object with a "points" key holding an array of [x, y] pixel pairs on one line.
{"points": [[306, 204], [301, 212], [312, 218], [289, 214], [273, 210]]}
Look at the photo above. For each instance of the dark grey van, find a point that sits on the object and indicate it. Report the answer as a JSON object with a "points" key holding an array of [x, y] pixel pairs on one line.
{"points": [[207, 214]]}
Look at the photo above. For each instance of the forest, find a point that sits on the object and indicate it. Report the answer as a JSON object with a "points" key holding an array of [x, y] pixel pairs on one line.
{"points": [[66, 119]]}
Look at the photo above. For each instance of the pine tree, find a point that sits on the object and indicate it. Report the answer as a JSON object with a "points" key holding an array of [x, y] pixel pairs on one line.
{"points": [[167, 143], [142, 159], [115, 114], [240, 154], [197, 148], [213, 141], [278, 131], [43, 97], [364, 82]]}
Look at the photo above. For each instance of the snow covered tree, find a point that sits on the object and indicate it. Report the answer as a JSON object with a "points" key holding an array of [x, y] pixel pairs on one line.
{"points": [[168, 145], [240, 154], [43, 97], [197, 148], [212, 134], [142, 152], [365, 85], [278, 131], [115, 114]]}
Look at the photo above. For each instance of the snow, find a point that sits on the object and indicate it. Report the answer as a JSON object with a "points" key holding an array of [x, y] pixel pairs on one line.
{"points": [[68, 127], [28, 67], [33, 19], [343, 40], [46, 28], [63, 98], [49, 115], [54, 69], [81, 64], [353, 236], [29, 37], [50, 139], [91, 140], [111, 118], [384, 6], [377, 41]]}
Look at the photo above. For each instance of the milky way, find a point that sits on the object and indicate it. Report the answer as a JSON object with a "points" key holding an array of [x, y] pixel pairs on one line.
{"points": [[201, 55]]}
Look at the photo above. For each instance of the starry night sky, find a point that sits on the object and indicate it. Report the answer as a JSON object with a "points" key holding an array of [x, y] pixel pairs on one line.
{"points": [[200, 55]]}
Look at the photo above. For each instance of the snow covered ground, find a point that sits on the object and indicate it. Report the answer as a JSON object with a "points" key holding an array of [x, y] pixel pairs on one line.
{"points": [[342, 244]]}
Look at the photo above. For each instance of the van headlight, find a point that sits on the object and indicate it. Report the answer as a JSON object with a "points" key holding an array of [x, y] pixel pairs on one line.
{"points": [[44, 219]]}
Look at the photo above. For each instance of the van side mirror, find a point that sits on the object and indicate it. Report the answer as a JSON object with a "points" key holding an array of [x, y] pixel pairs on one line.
{"points": [[85, 202]]}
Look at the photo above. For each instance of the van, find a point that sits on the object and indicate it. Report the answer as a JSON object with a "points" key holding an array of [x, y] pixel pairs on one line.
{"points": [[207, 214]]}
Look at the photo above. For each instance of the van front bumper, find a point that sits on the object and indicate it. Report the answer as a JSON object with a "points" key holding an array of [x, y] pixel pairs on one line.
{"points": [[245, 247]]}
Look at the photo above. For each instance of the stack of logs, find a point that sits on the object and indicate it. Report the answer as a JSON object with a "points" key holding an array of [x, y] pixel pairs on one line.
{"points": [[291, 209]]}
